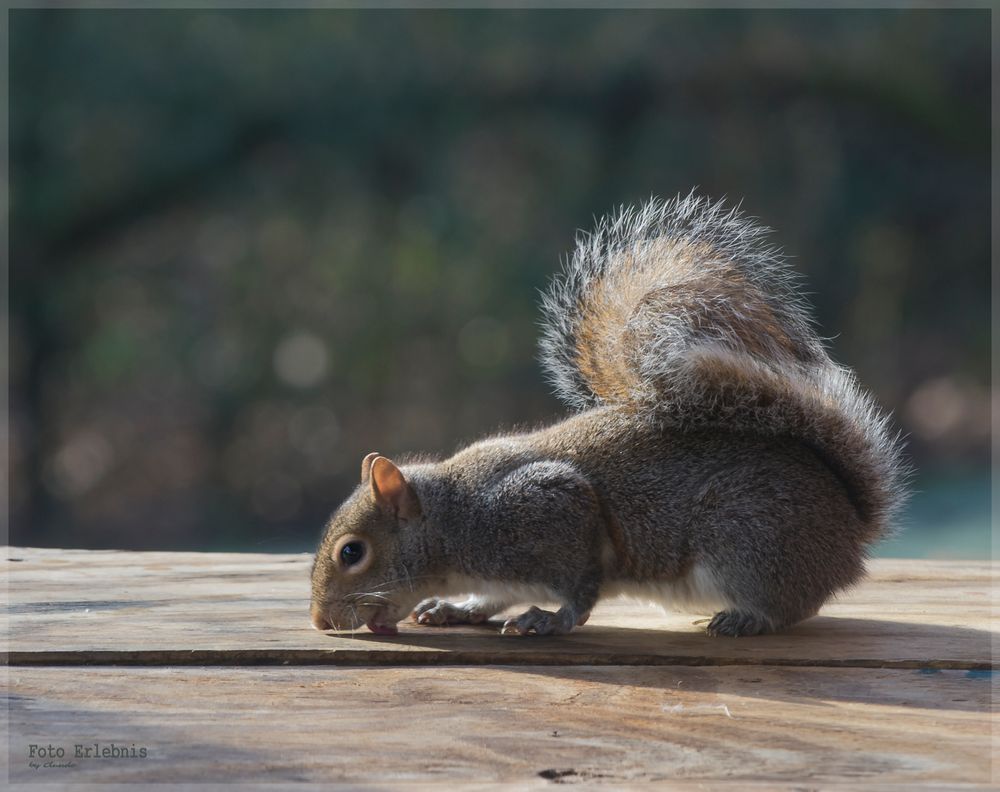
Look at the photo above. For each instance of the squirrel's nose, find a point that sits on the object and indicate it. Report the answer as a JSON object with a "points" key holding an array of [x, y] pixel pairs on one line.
{"points": [[319, 621]]}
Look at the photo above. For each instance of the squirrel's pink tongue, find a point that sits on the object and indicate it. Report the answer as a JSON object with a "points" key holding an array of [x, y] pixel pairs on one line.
{"points": [[383, 629]]}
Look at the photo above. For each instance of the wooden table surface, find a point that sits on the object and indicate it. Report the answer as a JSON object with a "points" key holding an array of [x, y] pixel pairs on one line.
{"points": [[206, 664]]}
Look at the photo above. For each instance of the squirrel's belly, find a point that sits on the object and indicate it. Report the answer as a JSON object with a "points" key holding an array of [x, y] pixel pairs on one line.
{"points": [[506, 592], [696, 592]]}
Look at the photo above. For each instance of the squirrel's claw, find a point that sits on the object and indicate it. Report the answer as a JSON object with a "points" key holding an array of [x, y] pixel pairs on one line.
{"points": [[438, 613], [734, 623], [541, 622]]}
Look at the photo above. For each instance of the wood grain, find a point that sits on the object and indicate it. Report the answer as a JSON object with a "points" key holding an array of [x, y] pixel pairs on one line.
{"points": [[890, 688], [529, 725], [86, 607]]}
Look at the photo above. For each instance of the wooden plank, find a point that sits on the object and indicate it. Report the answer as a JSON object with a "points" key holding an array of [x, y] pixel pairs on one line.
{"points": [[526, 725], [86, 607]]}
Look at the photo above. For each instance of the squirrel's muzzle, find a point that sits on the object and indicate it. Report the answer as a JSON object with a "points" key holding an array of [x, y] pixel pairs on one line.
{"points": [[319, 620]]}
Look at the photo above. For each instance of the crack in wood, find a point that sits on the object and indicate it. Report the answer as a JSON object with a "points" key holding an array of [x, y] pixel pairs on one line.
{"points": [[354, 658]]}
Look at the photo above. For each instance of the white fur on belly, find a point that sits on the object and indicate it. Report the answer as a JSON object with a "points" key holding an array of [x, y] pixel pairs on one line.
{"points": [[696, 592], [500, 591]]}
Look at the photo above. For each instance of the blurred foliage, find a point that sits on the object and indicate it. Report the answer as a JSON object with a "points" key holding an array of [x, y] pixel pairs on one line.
{"points": [[250, 246]]}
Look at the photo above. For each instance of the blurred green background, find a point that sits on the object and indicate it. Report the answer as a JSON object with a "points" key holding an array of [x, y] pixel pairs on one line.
{"points": [[249, 247]]}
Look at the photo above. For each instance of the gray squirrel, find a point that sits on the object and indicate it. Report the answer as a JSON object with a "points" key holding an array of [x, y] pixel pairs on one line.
{"points": [[717, 460]]}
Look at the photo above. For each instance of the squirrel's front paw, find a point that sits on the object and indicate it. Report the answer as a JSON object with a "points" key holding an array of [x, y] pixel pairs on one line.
{"points": [[541, 622], [439, 613]]}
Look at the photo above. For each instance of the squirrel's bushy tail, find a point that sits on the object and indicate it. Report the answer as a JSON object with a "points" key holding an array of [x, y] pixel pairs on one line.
{"points": [[682, 311]]}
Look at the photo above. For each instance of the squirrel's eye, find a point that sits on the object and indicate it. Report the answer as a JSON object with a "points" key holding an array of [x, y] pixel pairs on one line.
{"points": [[352, 552]]}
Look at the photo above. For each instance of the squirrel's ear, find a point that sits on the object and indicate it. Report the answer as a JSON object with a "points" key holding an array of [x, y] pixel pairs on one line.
{"points": [[391, 489], [366, 466]]}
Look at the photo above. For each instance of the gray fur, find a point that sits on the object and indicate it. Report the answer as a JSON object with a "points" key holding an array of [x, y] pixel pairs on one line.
{"points": [[736, 243], [811, 397], [719, 457]]}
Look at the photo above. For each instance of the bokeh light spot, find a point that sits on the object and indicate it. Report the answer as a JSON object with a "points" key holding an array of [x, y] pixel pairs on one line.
{"points": [[301, 360]]}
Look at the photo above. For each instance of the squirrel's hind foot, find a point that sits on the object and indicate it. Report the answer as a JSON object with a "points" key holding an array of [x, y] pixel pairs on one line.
{"points": [[735, 623]]}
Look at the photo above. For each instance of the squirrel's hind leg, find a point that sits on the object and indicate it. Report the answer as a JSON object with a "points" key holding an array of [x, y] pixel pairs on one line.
{"points": [[737, 623]]}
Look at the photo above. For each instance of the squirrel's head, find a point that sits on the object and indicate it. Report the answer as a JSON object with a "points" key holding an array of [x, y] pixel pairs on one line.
{"points": [[359, 576]]}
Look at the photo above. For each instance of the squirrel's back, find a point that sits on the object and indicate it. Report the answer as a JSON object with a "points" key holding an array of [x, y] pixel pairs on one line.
{"points": [[681, 313]]}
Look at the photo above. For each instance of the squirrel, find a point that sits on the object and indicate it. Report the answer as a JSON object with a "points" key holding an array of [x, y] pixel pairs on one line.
{"points": [[717, 459]]}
